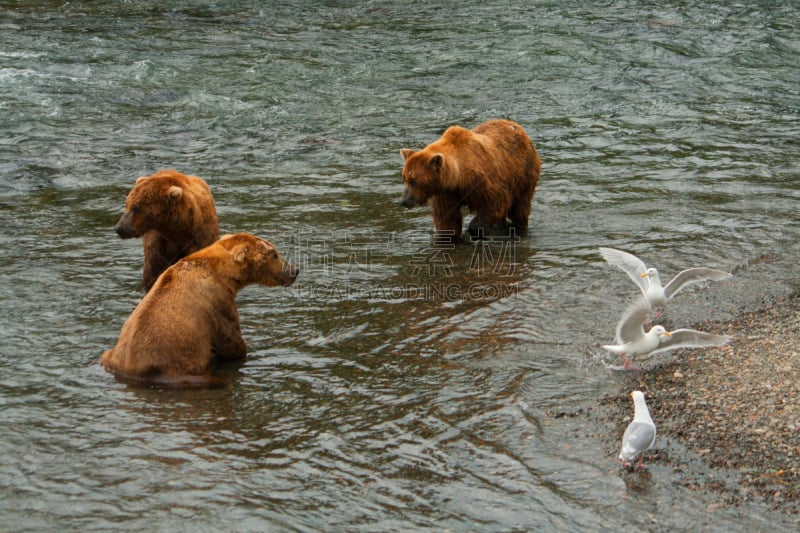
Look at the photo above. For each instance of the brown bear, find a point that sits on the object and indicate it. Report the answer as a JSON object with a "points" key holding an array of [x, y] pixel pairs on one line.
{"points": [[174, 214], [189, 320], [492, 170]]}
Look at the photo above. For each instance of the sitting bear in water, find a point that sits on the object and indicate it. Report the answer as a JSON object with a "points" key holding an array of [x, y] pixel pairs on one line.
{"points": [[175, 216], [188, 319]]}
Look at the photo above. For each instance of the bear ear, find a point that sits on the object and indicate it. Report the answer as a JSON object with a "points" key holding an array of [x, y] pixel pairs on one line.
{"points": [[407, 152], [141, 179], [175, 192], [239, 253], [436, 162]]}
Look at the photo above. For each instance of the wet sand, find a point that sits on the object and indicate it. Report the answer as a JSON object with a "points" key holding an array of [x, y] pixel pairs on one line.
{"points": [[728, 418]]}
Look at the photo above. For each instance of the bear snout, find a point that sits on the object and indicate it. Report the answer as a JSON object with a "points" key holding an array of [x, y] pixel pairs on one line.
{"points": [[407, 200], [288, 275], [123, 232], [124, 228]]}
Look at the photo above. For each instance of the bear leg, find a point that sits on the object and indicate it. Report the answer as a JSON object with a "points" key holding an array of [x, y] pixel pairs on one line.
{"points": [[229, 344], [519, 213], [447, 218], [490, 218], [478, 229]]}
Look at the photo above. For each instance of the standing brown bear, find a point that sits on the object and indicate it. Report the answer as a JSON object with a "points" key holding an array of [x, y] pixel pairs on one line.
{"points": [[492, 170], [189, 318], [174, 214]]}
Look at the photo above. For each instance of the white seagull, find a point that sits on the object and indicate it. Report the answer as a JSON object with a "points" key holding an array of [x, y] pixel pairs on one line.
{"points": [[631, 339], [640, 434], [648, 280]]}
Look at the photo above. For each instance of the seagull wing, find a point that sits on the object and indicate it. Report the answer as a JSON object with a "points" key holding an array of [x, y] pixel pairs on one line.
{"points": [[631, 326], [690, 338], [629, 263], [637, 438], [691, 276]]}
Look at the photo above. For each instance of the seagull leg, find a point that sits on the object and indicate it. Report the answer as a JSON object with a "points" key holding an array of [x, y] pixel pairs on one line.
{"points": [[629, 364], [640, 463], [654, 315]]}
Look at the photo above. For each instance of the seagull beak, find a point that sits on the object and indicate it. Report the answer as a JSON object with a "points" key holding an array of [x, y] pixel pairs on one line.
{"points": [[643, 275], [667, 334]]}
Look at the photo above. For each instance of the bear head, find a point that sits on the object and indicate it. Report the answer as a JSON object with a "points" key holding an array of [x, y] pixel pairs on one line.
{"points": [[257, 261], [421, 176], [152, 204]]}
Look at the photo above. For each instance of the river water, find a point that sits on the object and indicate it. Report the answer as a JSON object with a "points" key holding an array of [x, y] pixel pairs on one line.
{"points": [[394, 387]]}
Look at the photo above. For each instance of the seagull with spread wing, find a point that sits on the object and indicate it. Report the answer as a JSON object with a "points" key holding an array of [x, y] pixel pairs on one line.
{"points": [[631, 339], [648, 280], [640, 435]]}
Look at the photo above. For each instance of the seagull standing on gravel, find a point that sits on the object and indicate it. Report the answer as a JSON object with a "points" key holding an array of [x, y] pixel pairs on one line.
{"points": [[631, 339], [640, 434], [648, 280]]}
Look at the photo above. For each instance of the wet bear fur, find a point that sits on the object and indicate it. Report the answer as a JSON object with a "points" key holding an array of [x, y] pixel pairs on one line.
{"points": [[189, 320], [174, 214], [492, 170]]}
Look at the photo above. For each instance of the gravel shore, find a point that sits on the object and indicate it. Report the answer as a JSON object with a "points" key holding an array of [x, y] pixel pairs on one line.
{"points": [[733, 409]]}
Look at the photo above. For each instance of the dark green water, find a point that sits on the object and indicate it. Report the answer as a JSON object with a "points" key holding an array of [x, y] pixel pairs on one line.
{"points": [[381, 393]]}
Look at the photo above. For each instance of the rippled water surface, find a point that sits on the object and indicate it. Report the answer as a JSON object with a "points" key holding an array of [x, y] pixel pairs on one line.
{"points": [[393, 387]]}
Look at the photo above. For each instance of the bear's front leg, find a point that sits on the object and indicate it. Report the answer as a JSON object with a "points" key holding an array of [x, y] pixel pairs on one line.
{"points": [[231, 349], [228, 342], [446, 211]]}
